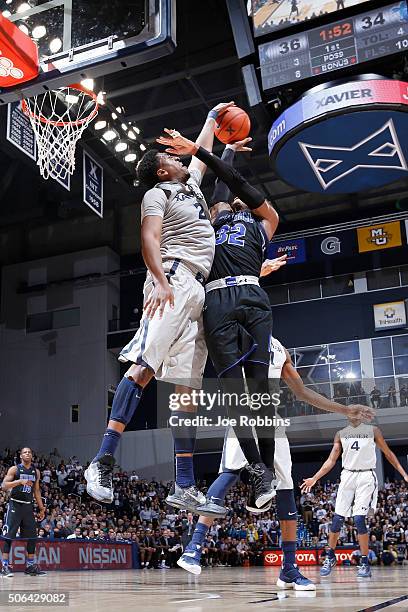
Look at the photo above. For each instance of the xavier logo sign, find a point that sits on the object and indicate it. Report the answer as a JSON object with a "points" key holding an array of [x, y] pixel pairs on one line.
{"points": [[379, 150]]}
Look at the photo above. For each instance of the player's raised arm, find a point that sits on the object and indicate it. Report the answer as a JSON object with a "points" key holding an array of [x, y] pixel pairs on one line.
{"points": [[9, 482], [327, 466], [206, 137], [389, 455], [255, 200], [305, 394]]}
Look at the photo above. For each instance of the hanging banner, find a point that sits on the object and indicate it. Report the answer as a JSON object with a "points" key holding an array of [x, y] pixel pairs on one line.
{"points": [[93, 184], [20, 132]]}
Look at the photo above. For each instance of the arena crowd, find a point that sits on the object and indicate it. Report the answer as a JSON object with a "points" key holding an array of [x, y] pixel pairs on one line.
{"points": [[140, 515]]}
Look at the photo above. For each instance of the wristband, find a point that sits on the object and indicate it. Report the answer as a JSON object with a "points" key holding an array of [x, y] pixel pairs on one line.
{"points": [[213, 114]]}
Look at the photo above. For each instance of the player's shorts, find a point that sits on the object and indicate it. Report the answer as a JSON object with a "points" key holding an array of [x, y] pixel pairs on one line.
{"points": [[357, 493], [19, 516], [237, 325], [234, 459], [173, 346]]}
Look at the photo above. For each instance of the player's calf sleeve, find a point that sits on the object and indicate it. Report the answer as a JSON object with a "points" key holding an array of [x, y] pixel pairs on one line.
{"points": [[125, 401], [286, 505], [31, 547], [221, 486], [360, 523], [184, 437], [337, 523]]}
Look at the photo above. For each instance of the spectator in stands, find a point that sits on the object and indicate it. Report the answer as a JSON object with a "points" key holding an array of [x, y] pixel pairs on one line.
{"points": [[389, 556], [375, 397]]}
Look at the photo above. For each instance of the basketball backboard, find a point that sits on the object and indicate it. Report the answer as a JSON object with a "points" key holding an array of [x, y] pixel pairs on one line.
{"points": [[80, 39]]}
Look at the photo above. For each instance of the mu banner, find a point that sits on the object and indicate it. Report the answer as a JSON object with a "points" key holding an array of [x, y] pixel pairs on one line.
{"points": [[377, 237]]}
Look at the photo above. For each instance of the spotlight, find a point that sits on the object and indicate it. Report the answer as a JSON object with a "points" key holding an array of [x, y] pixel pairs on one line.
{"points": [[88, 84], [114, 116], [124, 127], [131, 135], [39, 31], [142, 147], [23, 28], [136, 129], [100, 125], [100, 98], [55, 45], [130, 157], [9, 1], [121, 146], [109, 135], [23, 8], [136, 183], [6, 14], [119, 110]]}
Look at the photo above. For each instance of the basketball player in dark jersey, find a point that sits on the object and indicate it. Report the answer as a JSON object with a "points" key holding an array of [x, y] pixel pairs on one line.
{"points": [[238, 317], [23, 482]]}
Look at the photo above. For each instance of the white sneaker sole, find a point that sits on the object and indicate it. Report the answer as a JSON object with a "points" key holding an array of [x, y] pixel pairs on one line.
{"points": [[264, 499], [296, 587], [193, 569]]}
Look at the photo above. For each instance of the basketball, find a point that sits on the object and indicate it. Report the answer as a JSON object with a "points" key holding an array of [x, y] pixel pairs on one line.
{"points": [[233, 125]]}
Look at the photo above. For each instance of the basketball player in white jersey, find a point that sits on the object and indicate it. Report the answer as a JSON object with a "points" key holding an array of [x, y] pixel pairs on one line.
{"points": [[358, 490], [178, 246], [233, 461]]}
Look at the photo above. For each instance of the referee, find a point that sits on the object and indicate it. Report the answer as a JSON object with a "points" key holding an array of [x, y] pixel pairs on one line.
{"points": [[23, 482]]}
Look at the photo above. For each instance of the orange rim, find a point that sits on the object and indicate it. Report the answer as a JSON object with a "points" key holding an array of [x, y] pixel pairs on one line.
{"points": [[42, 119]]}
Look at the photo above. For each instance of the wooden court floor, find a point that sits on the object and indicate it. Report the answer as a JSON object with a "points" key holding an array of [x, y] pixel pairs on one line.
{"points": [[240, 589]]}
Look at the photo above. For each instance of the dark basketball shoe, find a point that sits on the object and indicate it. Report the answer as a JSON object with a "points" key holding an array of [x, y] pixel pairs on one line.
{"points": [[6, 571], [99, 479], [263, 481], [34, 570]]}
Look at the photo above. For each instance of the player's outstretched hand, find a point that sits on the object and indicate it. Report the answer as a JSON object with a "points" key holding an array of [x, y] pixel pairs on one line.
{"points": [[221, 108], [307, 485], [358, 411], [240, 145], [176, 143], [272, 265], [158, 298]]}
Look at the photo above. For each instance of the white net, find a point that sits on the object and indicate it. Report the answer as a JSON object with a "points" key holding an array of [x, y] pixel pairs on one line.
{"points": [[59, 119]]}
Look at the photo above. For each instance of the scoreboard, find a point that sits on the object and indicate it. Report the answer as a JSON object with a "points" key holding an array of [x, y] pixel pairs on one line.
{"points": [[341, 44]]}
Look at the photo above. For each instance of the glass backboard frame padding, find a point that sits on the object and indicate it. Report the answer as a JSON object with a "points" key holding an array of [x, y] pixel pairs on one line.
{"points": [[95, 39], [59, 119]]}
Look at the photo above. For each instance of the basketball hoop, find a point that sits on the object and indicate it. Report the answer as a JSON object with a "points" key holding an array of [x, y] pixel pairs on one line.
{"points": [[59, 119]]}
